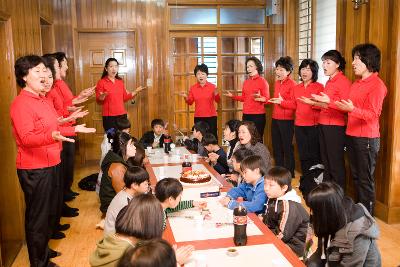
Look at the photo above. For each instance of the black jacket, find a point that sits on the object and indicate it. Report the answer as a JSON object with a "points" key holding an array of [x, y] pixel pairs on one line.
{"points": [[148, 139]]}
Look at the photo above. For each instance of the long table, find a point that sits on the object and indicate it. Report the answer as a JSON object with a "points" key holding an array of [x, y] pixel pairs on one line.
{"points": [[263, 247]]}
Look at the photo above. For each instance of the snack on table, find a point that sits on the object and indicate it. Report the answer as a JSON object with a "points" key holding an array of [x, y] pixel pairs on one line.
{"points": [[195, 177]]}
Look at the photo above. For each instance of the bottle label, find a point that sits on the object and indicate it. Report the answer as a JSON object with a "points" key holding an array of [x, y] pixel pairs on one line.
{"points": [[185, 169], [240, 220]]}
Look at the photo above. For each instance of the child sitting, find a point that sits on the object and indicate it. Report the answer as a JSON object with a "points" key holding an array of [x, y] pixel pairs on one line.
{"points": [[284, 214], [237, 157], [136, 181], [216, 154], [200, 129], [169, 192], [155, 138], [252, 189]]}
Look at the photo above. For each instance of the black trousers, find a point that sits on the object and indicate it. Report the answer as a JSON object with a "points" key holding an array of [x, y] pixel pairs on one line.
{"points": [[109, 121], [212, 123], [57, 200], [282, 138], [37, 186], [362, 152], [308, 146], [331, 144], [67, 164], [259, 120]]}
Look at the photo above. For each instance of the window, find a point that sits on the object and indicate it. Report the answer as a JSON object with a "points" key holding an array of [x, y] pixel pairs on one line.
{"points": [[304, 29]]}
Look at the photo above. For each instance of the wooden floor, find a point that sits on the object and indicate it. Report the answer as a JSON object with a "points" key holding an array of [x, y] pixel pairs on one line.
{"points": [[82, 236]]}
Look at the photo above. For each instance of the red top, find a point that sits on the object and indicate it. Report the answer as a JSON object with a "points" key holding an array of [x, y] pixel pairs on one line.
{"points": [[65, 94], [57, 101], [203, 97], [33, 120], [336, 88], [285, 88], [113, 104], [367, 96], [254, 85], [306, 115]]}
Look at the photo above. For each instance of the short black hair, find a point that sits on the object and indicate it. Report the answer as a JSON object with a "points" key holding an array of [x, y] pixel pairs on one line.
{"points": [[49, 63], [168, 187], [209, 139], [122, 123], [285, 62], [252, 163], [60, 56], [135, 175], [313, 66], [157, 122], [233, 125], [369, 54], [280, 175], [23, 65], [202, 67], [258, 63], [242, 153], [336, 57], [202, 127]]}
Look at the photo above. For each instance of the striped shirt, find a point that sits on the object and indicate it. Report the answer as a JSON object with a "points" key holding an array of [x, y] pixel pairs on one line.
{"points": [[183, 205]]}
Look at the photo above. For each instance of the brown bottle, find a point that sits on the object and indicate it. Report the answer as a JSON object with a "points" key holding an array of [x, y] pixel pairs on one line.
{"points": [[240, 224], [186, 165]]}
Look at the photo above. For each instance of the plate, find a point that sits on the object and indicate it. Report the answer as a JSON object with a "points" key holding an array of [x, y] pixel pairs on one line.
{"points": [[195, 185]]}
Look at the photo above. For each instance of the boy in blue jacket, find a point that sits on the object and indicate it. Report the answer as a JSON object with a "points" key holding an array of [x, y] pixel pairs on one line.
{"points": [[252, 190]]}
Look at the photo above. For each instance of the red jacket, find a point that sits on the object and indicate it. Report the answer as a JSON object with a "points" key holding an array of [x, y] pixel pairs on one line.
{"points": [[65, 94], [285, 88], [254, 85], [336, 88], [113, 104], [33, 120], [203, 97], [306, 115], [367, 96], [54, 96]]}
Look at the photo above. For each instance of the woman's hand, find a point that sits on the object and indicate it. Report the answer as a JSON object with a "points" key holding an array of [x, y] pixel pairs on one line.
{"points": [[79, 100], [183, 94], [103, 95], [74, 108], [138, 90], [58, 137], [81, 128], [88, 92], [228, 93], [345, 105], [323, 98], [277, 100], [307, 100], [183, 253]]}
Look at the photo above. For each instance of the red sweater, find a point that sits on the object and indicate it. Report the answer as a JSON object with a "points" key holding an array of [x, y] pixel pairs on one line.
{"points": [[57, 101], [33, 120], [336, 88], [65, 94], [367, 96], [306, 115], [203, 97], [254, 85], [113, 104], [285, 88]]}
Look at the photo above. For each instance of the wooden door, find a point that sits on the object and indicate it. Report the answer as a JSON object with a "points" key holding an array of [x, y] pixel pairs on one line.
{"points": [[11, 198], [94, 49]]}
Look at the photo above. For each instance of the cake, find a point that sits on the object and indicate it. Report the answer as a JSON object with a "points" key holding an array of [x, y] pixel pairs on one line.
{"points": [[195, 177]]}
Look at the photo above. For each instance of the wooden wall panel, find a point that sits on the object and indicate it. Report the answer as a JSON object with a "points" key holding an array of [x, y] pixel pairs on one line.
{"points": [[46, 10], [378, 22]]}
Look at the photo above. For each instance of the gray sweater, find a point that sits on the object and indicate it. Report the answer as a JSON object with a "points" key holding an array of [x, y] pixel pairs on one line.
{"points": [[262, 151]]}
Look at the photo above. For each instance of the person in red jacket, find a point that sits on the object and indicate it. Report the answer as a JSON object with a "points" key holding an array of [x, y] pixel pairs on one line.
{"points": [[282, 126], [203, 94], [255, 92], [331, 118], [111, 94], [363, 107], [37, 135], [306, 122]]}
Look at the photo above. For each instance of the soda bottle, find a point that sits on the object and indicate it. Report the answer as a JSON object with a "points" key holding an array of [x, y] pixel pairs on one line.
{"points": [[167, 144], [240, 224], [186, 165]]}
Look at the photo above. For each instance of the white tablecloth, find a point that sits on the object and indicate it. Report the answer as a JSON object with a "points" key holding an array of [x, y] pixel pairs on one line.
{"points": [[157, 156], [266, 255], [189, 225]]}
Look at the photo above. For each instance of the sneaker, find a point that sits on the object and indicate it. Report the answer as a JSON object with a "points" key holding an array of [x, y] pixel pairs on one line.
{"points": [[52, 264], [58, 235], [53, 253], [63, 227]]}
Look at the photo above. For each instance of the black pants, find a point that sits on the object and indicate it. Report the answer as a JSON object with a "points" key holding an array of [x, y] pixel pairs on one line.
{"points": [[308, 146], [37, 186], [259, 120], [110, 121], [362, 154], [331, 143], [67, 164], [282, 138], [212, 123]]}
